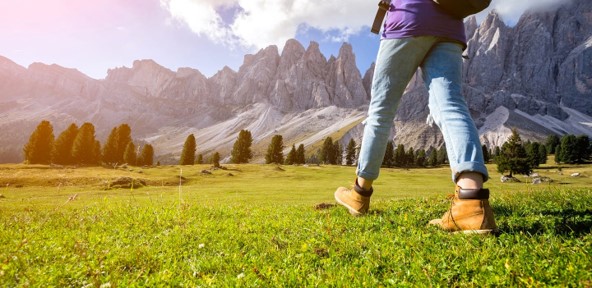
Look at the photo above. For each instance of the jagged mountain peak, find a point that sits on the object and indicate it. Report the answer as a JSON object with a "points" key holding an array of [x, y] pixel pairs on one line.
{"points": [[534, 75]]}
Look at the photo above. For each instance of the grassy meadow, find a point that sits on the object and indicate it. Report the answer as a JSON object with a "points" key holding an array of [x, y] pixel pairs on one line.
{"points": [[261, 225]]}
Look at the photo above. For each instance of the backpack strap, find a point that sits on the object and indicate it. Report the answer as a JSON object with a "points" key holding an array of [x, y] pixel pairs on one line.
{"points": [[383, 6]]}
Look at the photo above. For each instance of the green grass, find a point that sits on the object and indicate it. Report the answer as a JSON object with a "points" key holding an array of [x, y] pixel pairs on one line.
{"points": [[256, 225]]}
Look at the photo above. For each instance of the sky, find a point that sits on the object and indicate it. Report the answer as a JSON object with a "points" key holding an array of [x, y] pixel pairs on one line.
{"points": [[93, 36]]}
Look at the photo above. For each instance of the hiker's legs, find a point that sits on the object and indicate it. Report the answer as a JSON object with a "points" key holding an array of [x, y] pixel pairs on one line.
{"points": [[397, 61], [441, 71]]}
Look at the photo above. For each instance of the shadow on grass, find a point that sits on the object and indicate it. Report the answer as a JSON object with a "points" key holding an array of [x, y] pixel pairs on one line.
{"points": [[563, 222]]}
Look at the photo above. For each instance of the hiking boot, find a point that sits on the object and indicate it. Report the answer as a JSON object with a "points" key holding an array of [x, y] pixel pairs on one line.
{"points": [[469, 213], [356, 199]]}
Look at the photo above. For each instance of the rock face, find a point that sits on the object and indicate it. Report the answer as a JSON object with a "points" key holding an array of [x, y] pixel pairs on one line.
{"points": [[536, 76], [539, 71]]}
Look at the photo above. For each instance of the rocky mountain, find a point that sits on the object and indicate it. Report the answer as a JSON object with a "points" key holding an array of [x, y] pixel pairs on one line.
{"points": [[535, 76]]}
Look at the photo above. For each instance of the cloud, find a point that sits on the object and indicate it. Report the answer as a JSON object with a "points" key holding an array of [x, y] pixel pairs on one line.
{"points": [[260, 23], [511, 10]]}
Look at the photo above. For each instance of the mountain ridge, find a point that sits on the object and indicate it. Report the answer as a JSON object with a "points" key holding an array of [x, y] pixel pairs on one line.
{"points": [[535, 76]]}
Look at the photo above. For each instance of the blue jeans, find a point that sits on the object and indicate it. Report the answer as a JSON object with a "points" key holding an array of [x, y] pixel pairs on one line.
{"points": [[441, 66]]}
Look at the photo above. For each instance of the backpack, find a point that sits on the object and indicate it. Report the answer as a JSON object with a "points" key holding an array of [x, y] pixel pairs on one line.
{"points": [[457, 8]]}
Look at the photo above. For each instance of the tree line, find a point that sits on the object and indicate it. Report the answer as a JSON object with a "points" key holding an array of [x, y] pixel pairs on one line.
{"points": [[79, 146], [518, 157], [242, 152]]}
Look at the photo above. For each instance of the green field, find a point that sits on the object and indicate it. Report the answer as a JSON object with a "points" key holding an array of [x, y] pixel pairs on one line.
{"points": [[257, 225]]}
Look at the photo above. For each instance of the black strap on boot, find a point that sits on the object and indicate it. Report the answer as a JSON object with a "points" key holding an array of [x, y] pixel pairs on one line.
{"points": [[481, 194], [362, 191]]}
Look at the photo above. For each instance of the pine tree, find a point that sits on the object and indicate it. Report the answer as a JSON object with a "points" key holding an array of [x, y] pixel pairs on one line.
{"points": [[291, 158], [84, 147], [130, 156], [241, 150], [400, 156], [486, 155], [275, 150], [582, 148], [421, 158], [188, 154], [97, 153], [532, 152], [338, 158], [110, 148], [350, 154], [114, 148], [38, 149], [513, 157], [62, 148], [389, 155], [200, 159], [433, 158], [542, 154], [124, 137], [551, 143], [146, 156], [216, 160], [300, 158], [442, 155], [410, 158], [327, 152]]}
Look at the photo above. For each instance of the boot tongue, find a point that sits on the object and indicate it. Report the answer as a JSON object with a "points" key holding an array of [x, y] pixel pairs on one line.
{"points": [[482, 194]]}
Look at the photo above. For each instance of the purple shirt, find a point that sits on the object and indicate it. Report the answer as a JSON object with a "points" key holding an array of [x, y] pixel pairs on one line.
{"points": [[409, 18]]}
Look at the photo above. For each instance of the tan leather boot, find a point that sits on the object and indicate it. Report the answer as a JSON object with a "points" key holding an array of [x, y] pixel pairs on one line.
{"points": [[356, 199], [469, 213]]}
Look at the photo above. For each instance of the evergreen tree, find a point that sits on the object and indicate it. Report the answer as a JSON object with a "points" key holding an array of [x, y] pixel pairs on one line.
{"points": [[582, 148], [130, 156], [200, 159], [389, 155], [532, 152], [568, 150], [38, 149], [97, 153], [146, 156], [85, 145], [216, 160], [241, 150], [442, 155], [486, 155], [62, 148], [433, 157], [399, 160], [124, 137], [275, 152], [542, 154], [110, 148], [551, 143], [327, 153], [421, 159], [410, 158], [350, 154], [300, 158], [188, 154], [291, 158], [338, 153], [513, 157]]}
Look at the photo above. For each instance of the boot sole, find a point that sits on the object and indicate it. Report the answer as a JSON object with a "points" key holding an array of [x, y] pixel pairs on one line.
{"points": [[477, 232], [351, 210]]}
